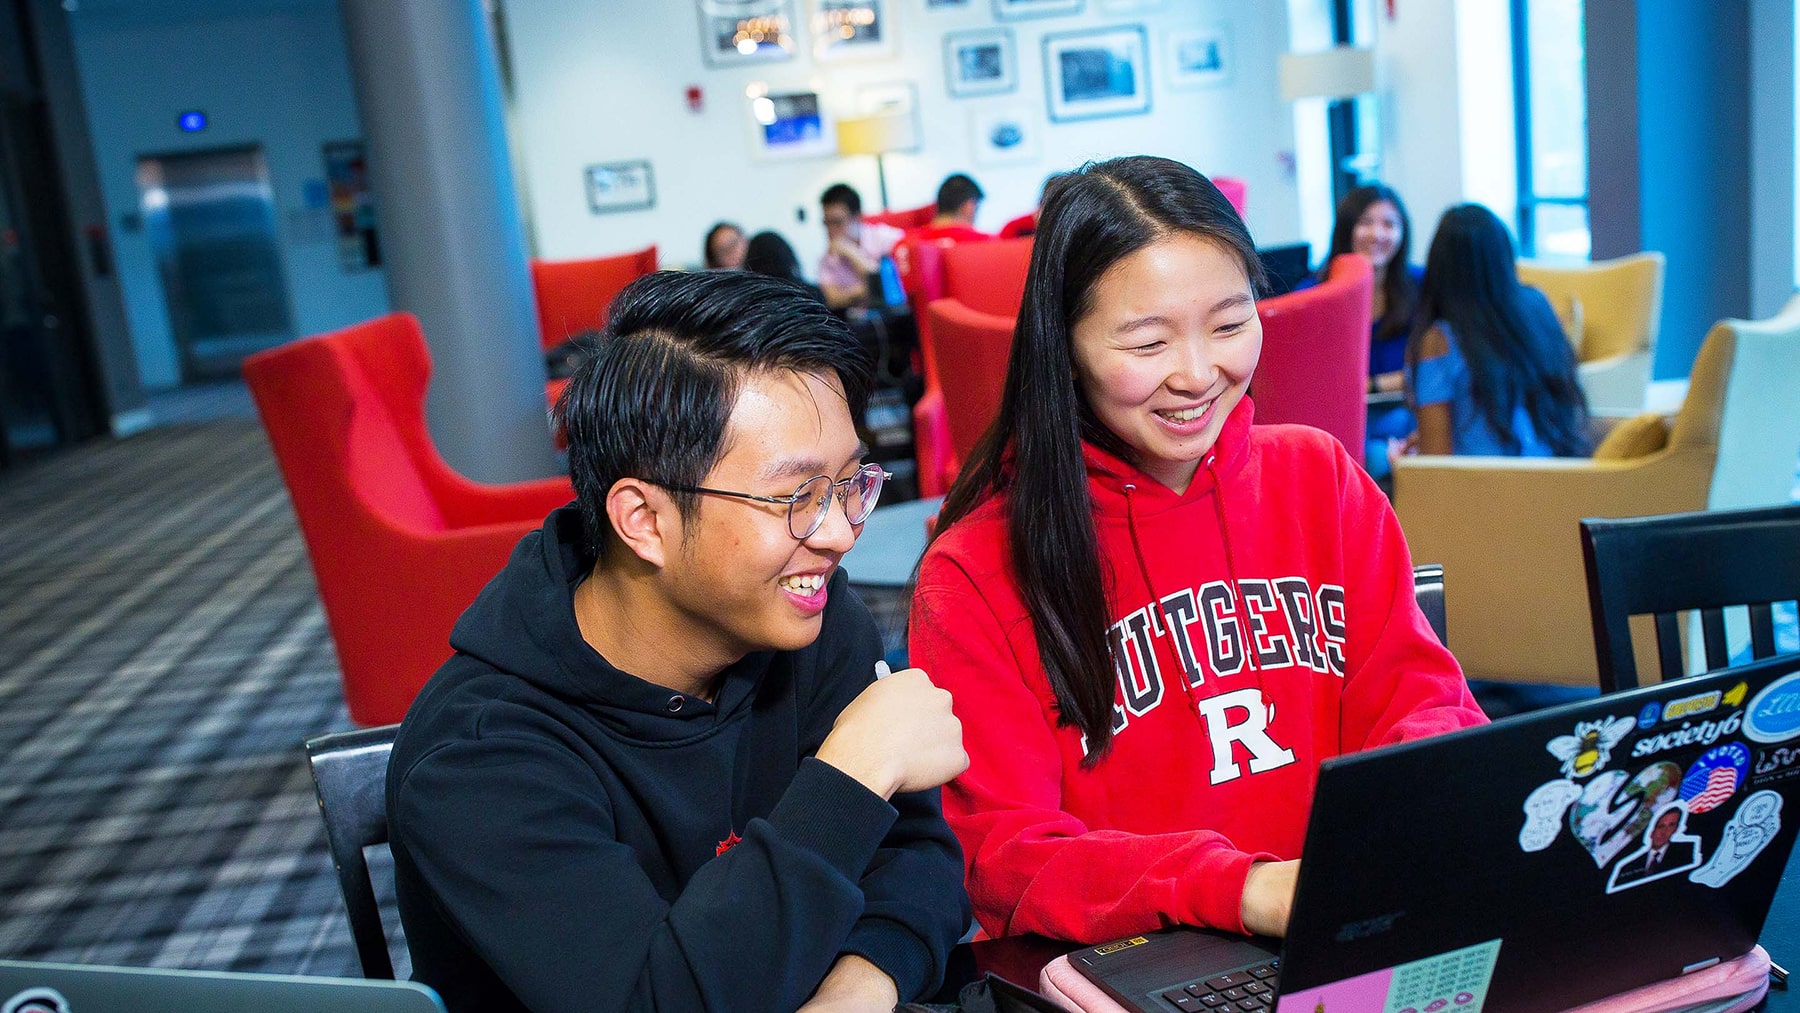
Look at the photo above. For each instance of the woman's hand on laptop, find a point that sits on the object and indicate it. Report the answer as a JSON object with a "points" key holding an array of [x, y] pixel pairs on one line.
{"points": [[1269, 897]]}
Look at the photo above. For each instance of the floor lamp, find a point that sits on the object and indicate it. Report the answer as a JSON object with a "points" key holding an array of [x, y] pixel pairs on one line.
{"points": [[877, 134]]}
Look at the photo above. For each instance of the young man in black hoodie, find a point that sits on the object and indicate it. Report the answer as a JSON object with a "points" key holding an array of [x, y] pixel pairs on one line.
{"points": [[659, 772]]}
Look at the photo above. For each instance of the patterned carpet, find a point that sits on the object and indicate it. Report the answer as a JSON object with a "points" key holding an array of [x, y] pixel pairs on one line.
{"points": [[162, 656]]}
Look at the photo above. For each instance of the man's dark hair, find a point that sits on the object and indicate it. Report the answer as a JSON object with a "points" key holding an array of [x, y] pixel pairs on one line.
{"points": [[654, 396], [844, 194], [957, 190]]}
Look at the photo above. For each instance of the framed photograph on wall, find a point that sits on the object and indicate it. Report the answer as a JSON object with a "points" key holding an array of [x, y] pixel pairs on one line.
{"points": [[1004, 134], [1199, 57], [1015, 10], [851, 29], [791, 123], [1097, 73], [735, 32], [981, 62], [620, 186]]}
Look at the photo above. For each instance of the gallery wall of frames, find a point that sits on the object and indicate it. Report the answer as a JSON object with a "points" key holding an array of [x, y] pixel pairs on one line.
{"points": [[645, 123]]}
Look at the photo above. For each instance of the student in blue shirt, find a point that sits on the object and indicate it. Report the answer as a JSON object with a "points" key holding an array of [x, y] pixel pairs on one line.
{"points": [[1489, 370]]}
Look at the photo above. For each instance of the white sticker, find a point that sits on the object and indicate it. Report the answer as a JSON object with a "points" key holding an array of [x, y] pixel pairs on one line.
{"points": [[36, 1000], [1544, 809], [1750, 830], [1587, 751]]}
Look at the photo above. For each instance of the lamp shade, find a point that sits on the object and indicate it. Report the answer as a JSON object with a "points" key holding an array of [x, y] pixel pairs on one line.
{"points": [[1332, 73], [877, 134]]}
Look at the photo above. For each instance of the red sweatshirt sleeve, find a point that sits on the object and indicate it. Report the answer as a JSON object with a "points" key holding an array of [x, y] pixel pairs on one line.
{"points": [[1032, 867], [1401, 683]]}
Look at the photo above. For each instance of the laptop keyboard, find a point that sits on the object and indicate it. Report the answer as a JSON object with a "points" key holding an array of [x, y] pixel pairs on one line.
{"points": [[1249, 990]]}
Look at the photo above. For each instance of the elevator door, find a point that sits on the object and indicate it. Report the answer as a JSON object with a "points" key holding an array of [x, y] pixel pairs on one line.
{"points": [[210, 218]]}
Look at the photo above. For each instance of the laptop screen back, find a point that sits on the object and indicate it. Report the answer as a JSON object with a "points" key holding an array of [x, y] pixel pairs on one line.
{"points": [[1581, 851], [30, 987]]}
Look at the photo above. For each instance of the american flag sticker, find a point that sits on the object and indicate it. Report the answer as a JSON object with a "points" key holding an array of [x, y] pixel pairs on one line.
{"points": [[1715, 777]]}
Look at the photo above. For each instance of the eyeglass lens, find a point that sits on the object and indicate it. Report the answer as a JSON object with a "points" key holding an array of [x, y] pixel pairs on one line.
{"points": [[813, 500]]}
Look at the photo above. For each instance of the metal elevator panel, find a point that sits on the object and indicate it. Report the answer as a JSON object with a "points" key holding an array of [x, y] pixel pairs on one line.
{"points": [[210, 220]]}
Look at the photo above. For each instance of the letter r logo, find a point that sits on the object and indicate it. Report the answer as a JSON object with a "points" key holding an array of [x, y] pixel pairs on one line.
{"points": [[1252, 731]]}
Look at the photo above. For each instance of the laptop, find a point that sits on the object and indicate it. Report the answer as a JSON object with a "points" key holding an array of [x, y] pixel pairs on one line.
{"points": [[1285, 266], [30, 987], [1537, 863]]}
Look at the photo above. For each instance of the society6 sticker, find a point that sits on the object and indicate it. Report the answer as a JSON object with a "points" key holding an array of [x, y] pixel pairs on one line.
{"points": [[1774, 715], [36, 1000]]}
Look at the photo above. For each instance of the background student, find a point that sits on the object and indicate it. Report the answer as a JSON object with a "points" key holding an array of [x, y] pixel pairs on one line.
{"points": [[1155, 620], [1489, 368]]}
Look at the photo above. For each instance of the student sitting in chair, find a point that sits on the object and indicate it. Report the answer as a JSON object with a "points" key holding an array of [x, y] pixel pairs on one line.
{"points": [[658, 772], [1155, 619]]}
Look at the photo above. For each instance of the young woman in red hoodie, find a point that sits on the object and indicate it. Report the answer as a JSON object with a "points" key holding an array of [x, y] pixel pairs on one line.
{"points": [[1155, 620]]}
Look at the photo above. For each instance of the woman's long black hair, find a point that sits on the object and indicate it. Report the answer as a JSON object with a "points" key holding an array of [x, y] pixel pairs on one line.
{"points": [[1515, 349], [1398, 286], [1091, 219]]}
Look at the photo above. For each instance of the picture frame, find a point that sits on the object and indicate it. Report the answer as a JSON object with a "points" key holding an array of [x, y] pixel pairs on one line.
{"points": [[1005, 134], [738, 32], [1019, 10], [850, 29], [983, 61], [790, 123], [1199, 57], [896, 98], [1097, 73], [620, 186]]}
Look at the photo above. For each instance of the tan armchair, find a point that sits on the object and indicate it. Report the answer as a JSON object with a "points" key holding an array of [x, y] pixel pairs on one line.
{"points": [[1611, 311], [1507, 532]]}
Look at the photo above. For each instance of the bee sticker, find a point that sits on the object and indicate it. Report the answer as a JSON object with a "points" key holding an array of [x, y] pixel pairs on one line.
{"points": [[1587, 751]]}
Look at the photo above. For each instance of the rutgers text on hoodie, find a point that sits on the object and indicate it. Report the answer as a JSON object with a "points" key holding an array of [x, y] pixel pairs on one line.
{"points": [[567, 836], [1285, 589]]}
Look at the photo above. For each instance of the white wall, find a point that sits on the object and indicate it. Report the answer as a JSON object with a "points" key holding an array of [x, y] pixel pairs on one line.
{"points": [[593, 86], [277, 76], [1446, 109]]}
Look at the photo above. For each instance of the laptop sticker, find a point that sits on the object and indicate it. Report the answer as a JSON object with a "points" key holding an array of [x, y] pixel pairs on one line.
{"points": [[1777, 763], [1715, 777], [1544, 809], [1668, 849], [1587, 751], [1614, 810], [1774, 715], [1750, 830], [36, 1000], [1454, 982]]}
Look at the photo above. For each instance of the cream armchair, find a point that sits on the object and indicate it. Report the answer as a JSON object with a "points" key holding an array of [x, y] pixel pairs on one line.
{"points": [[1506, 529], [1611, 311]]}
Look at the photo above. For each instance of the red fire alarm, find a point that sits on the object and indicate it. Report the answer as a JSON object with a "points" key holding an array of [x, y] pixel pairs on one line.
{"points": [[696, 99]]}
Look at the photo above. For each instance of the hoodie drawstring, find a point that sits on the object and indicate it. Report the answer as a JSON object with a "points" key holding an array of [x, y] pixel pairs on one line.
{"points": [[1189, 680], [1137, 549]]}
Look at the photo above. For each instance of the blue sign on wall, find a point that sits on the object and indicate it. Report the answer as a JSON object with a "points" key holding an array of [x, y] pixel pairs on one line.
{"points": [[191, 122]]}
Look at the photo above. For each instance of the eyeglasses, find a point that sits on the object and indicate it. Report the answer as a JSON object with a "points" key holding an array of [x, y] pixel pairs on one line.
{"points": [[807, 507]]}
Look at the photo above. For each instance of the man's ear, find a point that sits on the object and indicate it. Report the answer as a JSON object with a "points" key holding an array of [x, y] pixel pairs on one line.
{"points": [[644, 518]]}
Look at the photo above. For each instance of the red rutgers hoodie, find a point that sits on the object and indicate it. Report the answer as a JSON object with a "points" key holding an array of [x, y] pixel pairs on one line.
{"points": [[1284, 587]]}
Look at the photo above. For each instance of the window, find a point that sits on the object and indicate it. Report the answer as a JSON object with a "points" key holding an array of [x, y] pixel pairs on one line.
{"points": [[1550, 80]]}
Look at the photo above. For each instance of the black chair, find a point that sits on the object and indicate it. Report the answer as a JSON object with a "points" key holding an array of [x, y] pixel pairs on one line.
{"points": [[1428, 586], [1708, 562], [350, 772]]}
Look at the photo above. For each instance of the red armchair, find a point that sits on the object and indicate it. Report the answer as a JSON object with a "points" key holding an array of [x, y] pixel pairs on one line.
{"points": [[966, 354], [400, 543], [906, 218], [572, 295], [989, 277], [1315, 355], [1235, 190]]}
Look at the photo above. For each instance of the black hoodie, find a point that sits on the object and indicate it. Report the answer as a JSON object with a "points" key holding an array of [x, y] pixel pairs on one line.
{"points": [[567, 836]]}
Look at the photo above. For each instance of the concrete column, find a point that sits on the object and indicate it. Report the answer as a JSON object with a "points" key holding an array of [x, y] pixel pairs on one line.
{"points": [[428, 89]]}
